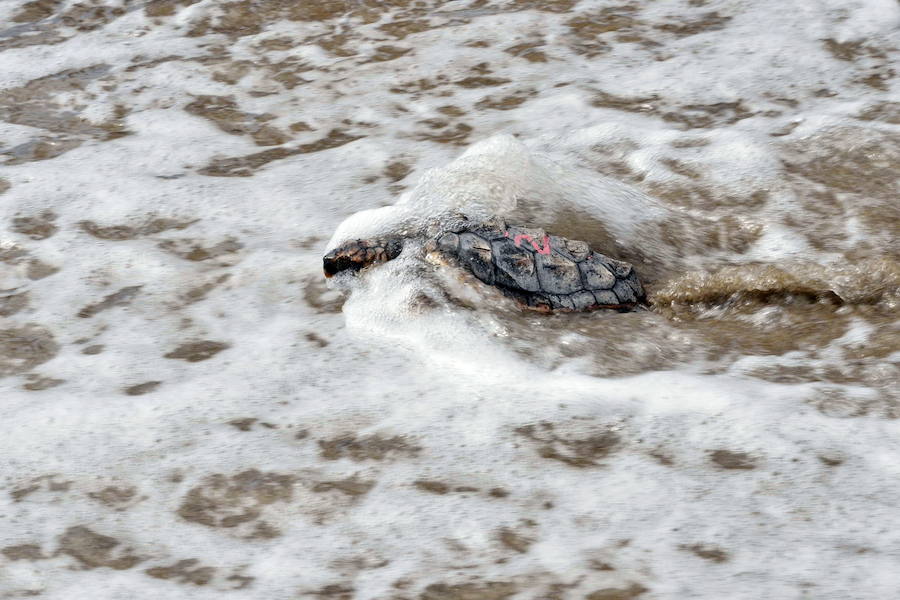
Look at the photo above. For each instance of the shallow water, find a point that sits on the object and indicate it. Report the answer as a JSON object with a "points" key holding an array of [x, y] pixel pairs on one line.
{"points": [[190, 411]]}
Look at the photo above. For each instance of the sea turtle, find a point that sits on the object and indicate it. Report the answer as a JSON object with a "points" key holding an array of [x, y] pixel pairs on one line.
{"points": [[541, 272]]}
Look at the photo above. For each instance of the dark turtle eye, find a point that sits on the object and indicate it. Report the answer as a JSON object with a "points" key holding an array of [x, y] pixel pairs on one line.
{"points": [[359, 254], [335, 263]]}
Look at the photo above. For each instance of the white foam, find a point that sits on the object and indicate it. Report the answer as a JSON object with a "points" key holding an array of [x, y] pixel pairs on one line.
{"points": [[446, 378]]}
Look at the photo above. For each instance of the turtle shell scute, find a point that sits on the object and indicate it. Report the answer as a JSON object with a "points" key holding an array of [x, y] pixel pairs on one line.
{"points": [[475, 253], [541, 272]]}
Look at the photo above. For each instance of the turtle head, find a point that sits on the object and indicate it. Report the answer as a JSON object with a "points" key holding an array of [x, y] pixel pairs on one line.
{"points": [[358, 254]]}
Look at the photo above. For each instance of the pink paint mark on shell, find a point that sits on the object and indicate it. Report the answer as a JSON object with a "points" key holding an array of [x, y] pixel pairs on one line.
{"points": [[525, 236]]}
